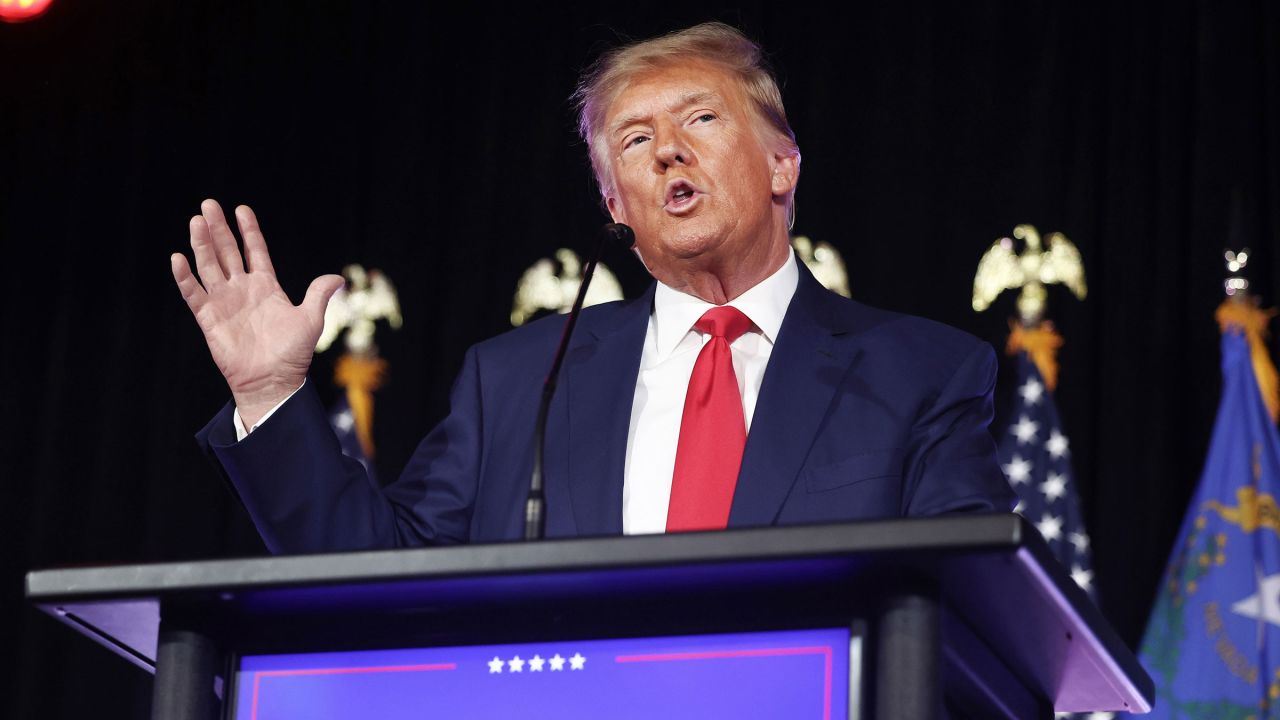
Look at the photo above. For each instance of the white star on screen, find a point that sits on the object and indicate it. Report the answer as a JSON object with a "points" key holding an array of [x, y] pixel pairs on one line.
{"points": [[1082, 577], [1080, 540], [344, 420], [1050, 527], [535, 663], [516, 664], [1031, 391], [557, 662], [495, 665], [1057, 445], [1263, 604], [577, 661], [1018, 470], [1054, 487], [1025, 430]]}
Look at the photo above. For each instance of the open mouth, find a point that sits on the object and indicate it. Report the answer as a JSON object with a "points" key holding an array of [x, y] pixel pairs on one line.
{"points": [[681, 194]]}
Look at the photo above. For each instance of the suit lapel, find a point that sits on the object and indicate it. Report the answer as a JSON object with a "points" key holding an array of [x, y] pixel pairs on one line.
{"points": [[806, 368], [599, 384]]}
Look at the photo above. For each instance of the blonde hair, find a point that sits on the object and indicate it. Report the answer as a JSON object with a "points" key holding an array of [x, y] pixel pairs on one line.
{"points": [[712, 42]]}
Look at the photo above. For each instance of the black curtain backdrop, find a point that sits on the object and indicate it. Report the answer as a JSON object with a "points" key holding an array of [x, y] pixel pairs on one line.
{"points": [[438, 144]]}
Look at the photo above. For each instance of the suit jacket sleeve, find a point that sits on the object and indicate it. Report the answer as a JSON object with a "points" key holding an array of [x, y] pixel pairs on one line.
{"points": [[304, 495], [952, 464]]}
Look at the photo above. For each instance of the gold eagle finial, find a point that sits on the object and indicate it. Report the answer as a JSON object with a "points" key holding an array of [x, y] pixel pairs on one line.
{"points": [[553, 286], [824, 262], [1001, 268], [367, 297], [1236, 286]]}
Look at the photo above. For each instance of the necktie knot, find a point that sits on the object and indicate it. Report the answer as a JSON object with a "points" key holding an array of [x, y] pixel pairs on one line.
{"points": [[725, 321]]}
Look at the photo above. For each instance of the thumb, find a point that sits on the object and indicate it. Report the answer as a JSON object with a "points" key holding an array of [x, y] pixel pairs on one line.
{"points": [[318, 294]]}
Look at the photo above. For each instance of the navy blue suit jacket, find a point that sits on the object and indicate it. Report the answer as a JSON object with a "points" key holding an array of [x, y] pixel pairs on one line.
{"points": [[862, 414]]}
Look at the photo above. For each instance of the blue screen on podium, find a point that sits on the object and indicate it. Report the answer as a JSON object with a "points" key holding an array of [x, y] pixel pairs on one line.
{"points": [[790, 674]]}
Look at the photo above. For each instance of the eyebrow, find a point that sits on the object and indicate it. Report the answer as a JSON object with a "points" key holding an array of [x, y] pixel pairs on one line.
{"points": [[686, 100]]}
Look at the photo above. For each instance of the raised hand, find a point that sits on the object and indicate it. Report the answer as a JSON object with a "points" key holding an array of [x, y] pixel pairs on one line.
{"points": [[261, 342]]}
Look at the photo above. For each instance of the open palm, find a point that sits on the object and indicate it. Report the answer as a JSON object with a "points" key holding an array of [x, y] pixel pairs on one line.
{"points": [[261, 342]]}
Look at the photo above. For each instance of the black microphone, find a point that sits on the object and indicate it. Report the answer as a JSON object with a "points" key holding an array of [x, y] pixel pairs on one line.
{"points": [[535, 507]]}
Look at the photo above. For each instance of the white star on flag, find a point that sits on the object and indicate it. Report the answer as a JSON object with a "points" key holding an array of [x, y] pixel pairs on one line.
{"points": [[1054, 487], [344, 420], [577, 661], [1081, 576], [1025, 430], [557, 662], [535, 663], [1034, 454], [1050, 527], [516, 664], [1057, 445], [1031, 391], [1018, 471], [1264, 604], [495, 665]]}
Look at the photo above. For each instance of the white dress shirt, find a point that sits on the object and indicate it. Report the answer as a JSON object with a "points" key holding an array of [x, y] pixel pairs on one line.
{"points": [[242, 432], [671, 347]]}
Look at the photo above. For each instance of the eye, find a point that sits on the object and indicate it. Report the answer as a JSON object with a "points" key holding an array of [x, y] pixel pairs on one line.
{"points": [[633, 141], [705, 117]]}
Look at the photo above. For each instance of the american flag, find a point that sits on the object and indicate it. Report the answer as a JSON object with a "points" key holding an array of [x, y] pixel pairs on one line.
{"points": [[343, 421], [1036, 458]]}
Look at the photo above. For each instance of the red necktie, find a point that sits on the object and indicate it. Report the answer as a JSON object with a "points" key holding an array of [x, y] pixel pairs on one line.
{"points": [[712, 430]]}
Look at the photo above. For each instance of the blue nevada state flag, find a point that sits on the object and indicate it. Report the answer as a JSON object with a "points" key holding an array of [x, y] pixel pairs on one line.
{"points": [[1212, 643], [1036, 458]]}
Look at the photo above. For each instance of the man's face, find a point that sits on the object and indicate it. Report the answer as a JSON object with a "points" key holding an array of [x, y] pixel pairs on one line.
{"points": [[692, 175]]}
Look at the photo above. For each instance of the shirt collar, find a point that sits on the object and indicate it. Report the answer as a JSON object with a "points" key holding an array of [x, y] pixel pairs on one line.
{"points": [[674, 312]]}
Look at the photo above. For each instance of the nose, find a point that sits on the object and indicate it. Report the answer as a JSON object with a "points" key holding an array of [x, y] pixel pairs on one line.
{"points": [[670, 147]]}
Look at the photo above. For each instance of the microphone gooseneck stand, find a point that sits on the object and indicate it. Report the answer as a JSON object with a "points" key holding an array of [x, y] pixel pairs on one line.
{"points": [[535, 507]]}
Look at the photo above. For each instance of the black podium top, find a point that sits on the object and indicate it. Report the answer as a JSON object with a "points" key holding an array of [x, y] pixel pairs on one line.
{"points": [[1001, 588]]}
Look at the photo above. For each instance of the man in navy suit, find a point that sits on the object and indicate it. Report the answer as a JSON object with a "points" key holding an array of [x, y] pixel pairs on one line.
{"points": [[737, 392]]}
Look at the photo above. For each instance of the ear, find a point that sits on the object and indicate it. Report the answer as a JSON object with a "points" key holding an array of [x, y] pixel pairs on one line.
{"points": [[786, 173], [616, 211]]}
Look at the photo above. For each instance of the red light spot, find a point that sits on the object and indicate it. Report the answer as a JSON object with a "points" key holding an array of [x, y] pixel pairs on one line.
{"points": [[16, 11]]}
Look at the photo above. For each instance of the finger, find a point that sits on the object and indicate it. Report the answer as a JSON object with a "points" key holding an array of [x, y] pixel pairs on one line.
{"points": [[187, 283], [202, 247], [255, 245], [318, 294], [224, 241]]}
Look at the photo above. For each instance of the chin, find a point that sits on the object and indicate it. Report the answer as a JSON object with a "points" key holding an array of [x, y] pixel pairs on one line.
{"points": [[692, 240]]}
